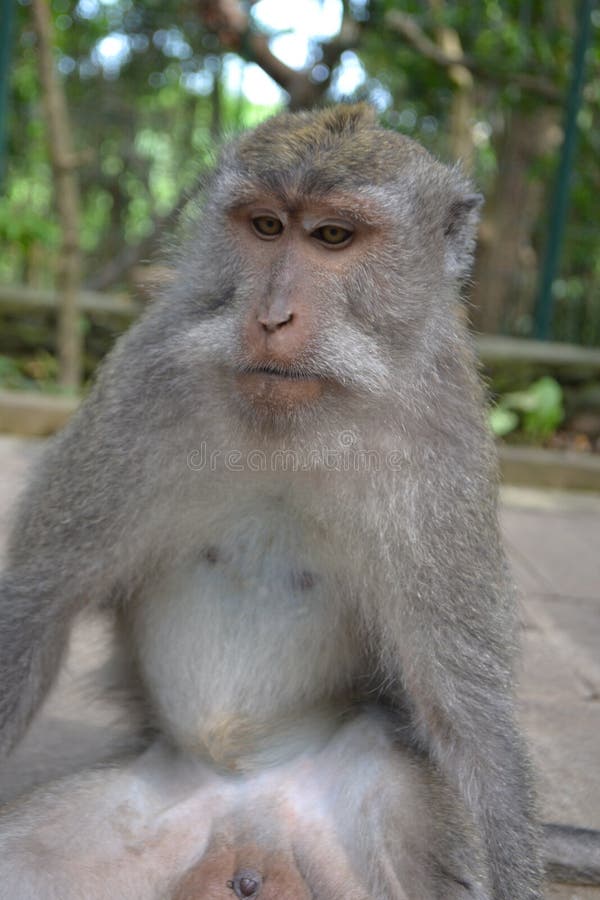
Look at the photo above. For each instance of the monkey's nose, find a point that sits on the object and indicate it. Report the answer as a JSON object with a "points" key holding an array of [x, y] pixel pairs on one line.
{"points": [[274, 320], [247, 883]]}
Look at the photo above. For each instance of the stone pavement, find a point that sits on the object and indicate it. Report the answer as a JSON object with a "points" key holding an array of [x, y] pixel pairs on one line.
{"points": [[553, 540]]}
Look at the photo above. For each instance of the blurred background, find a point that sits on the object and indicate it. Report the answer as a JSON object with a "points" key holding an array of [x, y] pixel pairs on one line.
{"points": [[110, 109]]}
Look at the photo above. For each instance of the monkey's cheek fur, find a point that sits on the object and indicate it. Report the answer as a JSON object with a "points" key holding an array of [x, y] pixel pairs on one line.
{"points": [[278, 392]]}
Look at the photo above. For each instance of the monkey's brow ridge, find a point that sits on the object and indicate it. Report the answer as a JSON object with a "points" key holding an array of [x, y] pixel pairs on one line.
{"points": [[367, 211]]}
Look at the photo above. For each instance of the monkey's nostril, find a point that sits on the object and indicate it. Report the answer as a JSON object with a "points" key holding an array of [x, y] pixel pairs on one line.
{"points": [[274, 322]]}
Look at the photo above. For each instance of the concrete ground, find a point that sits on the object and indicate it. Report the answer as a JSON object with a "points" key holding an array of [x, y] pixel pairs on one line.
{"points": [[553, 540]]}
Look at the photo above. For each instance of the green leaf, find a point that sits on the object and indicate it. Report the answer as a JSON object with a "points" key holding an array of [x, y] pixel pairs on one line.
{"points": [[548, 411], [540, 406], [502, 421]]}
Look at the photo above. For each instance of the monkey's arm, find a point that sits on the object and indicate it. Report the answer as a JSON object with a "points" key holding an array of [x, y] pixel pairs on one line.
{"points": [[450, 642], [78, 541], [63, 556], [90, 526]]}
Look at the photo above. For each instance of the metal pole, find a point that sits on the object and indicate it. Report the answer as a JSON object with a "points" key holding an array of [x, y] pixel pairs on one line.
{"points": [[560, 198], [6, 31]]}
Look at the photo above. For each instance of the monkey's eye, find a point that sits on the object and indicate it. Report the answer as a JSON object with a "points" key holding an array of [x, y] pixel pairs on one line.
{"points": [[334, 235], [267, 226]]}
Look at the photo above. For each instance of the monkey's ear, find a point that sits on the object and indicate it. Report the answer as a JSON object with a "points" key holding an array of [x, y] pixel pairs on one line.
{"points": [[460, 232]]}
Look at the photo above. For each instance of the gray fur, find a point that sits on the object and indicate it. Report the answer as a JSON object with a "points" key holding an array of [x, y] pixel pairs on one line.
{"points": [[350, 817], [412, 602]]}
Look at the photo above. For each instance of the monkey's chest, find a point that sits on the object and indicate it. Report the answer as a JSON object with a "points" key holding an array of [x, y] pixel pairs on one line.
{"points": [[242, 661]]}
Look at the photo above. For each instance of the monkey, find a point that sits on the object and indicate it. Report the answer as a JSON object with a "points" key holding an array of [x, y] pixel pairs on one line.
{"points": [[284, 483], [347, 817], [357, 814], [392, 828]]}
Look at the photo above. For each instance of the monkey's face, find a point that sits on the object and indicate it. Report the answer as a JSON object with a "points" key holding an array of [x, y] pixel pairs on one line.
{"points": [[296, 330], [337, 246]]}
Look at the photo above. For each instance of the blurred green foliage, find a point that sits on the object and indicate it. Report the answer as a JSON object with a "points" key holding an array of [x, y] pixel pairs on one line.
{"points": [[538, 410], [149, 89], [39, 373], [142, 120]]}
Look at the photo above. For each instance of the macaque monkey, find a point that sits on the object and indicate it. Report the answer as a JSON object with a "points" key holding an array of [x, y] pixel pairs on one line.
{"points": [[284, 483], [169, 826], [356, 813]]}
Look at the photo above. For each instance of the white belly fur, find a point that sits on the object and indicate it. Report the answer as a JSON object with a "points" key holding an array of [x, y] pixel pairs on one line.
{"points": [[239, 644]]}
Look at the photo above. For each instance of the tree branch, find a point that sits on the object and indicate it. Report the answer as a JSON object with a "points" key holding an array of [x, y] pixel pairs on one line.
{"points": [[117, 268], [231, 24], [66, 190], [414, 34]]}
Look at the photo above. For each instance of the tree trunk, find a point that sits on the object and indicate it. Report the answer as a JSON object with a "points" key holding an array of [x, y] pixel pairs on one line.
{"points": [[64, 165], [216, 106], [462, 107], [506, 263]]}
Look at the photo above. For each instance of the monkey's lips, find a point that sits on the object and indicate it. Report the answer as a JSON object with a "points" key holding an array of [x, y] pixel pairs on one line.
{"points": [[275, 386]]}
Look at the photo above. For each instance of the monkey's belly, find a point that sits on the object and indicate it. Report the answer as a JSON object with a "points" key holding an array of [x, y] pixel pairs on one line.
{"points": [[233, 664]]}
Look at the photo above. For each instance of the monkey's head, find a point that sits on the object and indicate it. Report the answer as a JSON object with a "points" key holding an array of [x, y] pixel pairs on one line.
{"points": [[332, 253]]}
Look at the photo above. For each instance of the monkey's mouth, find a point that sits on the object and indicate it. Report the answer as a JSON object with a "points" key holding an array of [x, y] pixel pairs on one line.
{"points": [[273, 370], [274, 385]]}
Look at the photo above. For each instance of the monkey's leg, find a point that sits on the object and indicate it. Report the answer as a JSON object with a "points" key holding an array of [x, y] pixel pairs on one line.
{"points": [[360, 818], [128, 831]]}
